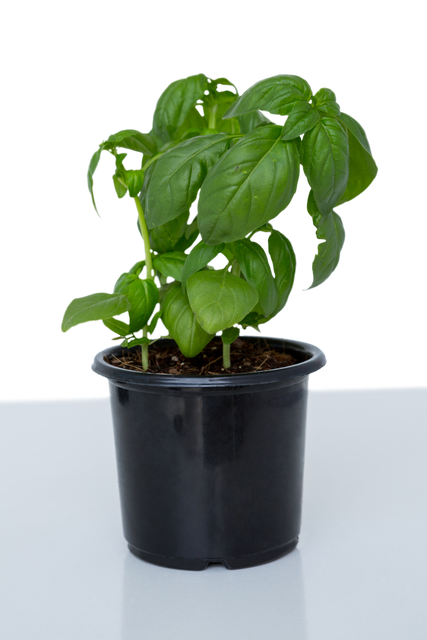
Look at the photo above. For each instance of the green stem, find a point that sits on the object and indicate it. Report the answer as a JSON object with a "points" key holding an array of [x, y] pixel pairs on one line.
{"points": [[226, 355], [150, 276], [235, 271], [212, 118]]}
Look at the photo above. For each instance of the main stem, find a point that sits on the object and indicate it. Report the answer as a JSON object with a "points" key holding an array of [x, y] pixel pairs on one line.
{"points": [[149, 265], [226, 360]]}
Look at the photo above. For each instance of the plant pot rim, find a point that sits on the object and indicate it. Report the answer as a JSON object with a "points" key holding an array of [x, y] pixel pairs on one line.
{"points": [[124, 377]]}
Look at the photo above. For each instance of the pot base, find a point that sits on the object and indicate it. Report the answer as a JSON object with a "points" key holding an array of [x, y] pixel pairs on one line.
{"points": [[198, 564]]}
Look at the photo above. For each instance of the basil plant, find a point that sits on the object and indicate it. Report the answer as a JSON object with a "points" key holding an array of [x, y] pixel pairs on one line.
{"points": [[209, 142]]}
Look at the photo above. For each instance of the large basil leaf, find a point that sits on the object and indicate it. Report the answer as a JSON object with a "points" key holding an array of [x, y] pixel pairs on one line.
{"points": [[175, 103], [362, 167], [254, 265], [325, 158], [179, 320], [251, 184], [175, 235], [219, 299], [98, 306], [178, 175], [330, 229], [278, 94]]}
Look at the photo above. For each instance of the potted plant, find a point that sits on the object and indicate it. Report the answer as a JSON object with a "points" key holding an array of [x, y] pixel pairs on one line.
{"points": [[210, 429]]}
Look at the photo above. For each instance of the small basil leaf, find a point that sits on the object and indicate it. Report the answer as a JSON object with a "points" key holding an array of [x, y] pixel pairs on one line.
{"points": [[165, 237], [143, 296], [92, 167], [285, 264], [132, 139], [170, 264], [189, 237], [135, 342], [330, 234], [326, 102], [137, 268], [116, 326], [134, 181], [230, 335], [153, 324], [199, 257], [119, 178], [301, 119]]}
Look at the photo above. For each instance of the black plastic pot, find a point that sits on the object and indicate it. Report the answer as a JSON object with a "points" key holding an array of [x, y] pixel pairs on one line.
{"points": [[211, 467]]}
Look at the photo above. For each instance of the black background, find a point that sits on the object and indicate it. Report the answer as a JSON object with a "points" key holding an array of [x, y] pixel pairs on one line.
{"points": [[366, 317]]}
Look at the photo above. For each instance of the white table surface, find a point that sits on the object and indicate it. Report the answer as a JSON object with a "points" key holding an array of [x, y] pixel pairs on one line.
{"points": [[359, 572]]}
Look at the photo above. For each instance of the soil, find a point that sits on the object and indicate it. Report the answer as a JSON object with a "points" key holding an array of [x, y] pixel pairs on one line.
{"points": [[246, 357]]}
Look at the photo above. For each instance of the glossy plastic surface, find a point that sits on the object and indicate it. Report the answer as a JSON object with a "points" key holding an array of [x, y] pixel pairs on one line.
{"points": [[210, 469]]}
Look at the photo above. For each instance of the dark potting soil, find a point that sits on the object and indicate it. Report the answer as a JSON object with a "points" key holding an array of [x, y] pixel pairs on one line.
{"points": [[246, 357]]}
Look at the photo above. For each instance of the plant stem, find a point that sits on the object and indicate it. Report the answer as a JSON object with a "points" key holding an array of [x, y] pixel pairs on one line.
{"points": [[226, 360], [226, 355], [212, 118], [149, 265]]}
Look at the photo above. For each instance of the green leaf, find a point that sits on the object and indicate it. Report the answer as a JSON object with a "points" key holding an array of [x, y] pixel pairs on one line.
{"points": [[98, 306], [362, 167], [215, 105], [135, 342], [119, 327], [170, 264], [278, 94], [165, 237], [254, 319], [199, 257], [325, 102], [301, 119], [325, 158], [284, 263], [178, 175], [251, 184], [133, 140], [248, 121], [189, 237], [254, 265], [179, 320], [134, 181], [153, 324], [230, 335], [193, 123], [330, 229], [143, 296], [92, 167], [223, 81], [138, 267], [175, 103], [356, 129], [119, 178], [219, 300]]}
